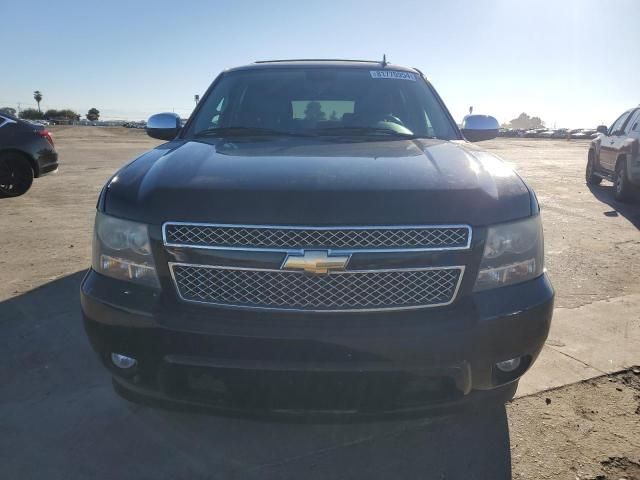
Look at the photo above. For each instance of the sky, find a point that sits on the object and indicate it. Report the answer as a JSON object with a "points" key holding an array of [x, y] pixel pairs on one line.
{"points": [[574, 63]]}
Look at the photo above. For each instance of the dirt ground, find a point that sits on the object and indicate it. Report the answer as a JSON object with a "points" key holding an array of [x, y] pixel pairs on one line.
{"points": [[587, 431], [51, 384], [47, 233], [591, 241]]}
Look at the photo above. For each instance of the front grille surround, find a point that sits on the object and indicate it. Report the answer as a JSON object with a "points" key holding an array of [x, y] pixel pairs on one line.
{"points": [[405, 238], [344, 291]]}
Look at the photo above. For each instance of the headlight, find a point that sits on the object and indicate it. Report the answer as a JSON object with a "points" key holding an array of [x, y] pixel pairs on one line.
{"points": [[513, 253], [121, 249]]}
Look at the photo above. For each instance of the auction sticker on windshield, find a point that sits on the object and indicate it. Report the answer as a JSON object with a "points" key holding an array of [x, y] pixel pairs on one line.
{"points": [[393, 75]]}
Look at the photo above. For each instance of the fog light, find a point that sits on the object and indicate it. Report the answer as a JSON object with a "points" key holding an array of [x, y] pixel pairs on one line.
{"points": [[510, 365], [122, 361]]}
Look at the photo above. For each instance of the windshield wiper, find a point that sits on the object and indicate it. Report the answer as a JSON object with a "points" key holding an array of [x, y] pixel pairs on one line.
{"points": [[365, 131], [246, 131]]}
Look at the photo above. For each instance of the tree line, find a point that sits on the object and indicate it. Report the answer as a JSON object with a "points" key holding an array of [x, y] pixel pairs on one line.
{"points": [[52, 114], [525, 122]]}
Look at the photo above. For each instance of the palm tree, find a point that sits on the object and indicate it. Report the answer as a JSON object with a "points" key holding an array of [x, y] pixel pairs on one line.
{"points": [[37, 96]]}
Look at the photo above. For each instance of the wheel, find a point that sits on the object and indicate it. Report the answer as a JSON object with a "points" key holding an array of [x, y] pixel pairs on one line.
{"points": [[16, 175], [591, 177], [621, 186]]}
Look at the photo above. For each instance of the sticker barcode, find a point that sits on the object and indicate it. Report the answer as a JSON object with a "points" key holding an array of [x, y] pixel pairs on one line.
{"points": [[395, 75]]}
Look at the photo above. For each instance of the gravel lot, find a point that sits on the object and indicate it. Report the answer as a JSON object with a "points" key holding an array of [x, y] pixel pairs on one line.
{"points": [[60, 419]]}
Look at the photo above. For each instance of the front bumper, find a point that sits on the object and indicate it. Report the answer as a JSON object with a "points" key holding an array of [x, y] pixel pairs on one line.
{"points": [[366, 363]]}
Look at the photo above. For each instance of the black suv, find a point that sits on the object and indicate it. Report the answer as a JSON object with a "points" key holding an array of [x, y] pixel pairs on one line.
{"points": [[318, 236]]}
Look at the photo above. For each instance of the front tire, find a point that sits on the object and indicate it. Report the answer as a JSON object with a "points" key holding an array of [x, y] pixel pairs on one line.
{"points": [[590, 174], [621, 185], [16, 175]]}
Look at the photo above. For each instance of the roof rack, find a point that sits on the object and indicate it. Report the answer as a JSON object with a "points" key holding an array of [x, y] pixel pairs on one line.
{"points": [[317, 60]]}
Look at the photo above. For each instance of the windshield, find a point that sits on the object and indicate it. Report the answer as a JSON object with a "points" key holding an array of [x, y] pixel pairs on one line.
{"points": [[323, 101]]}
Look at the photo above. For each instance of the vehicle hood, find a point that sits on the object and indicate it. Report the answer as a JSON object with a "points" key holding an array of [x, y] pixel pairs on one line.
{"points": [[318, 181]]}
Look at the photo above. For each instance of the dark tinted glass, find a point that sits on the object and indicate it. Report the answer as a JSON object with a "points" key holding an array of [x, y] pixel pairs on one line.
{"points": [[632, 123], [617, 125], [325, 101]]}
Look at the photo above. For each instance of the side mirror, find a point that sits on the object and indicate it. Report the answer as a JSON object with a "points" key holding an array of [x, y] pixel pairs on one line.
{"points": [[476, 128], [164, 126], [602, 129]]}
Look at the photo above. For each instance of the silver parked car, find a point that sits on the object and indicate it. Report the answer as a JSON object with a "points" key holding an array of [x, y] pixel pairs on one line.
{"points": [[615, 155]]}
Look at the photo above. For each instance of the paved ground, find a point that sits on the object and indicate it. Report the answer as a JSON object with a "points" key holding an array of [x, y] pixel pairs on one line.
{"points": [[60, 419]]}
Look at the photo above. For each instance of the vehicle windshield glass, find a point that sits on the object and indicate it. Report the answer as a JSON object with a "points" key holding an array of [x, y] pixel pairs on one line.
{"points": [[360, 102]]}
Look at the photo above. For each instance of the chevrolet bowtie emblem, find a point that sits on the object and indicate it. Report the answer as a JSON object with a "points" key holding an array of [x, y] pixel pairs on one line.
{"points": [[315, 262]]}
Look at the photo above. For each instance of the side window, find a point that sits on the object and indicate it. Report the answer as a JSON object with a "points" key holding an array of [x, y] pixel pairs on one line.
{"points": [[633, 125], [1, 121], [618, 124]]}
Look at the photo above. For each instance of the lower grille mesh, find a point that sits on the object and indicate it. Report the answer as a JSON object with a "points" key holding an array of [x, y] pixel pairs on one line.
{"points": [[355, 290]]}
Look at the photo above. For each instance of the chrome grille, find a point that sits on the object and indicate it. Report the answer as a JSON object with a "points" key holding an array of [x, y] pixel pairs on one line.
{"points": [[449, 237], [338, 291]]}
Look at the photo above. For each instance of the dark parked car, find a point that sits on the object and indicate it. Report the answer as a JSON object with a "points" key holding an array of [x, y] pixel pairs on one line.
{"points": [[318, 236], [26, 152], [615, 155]]}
